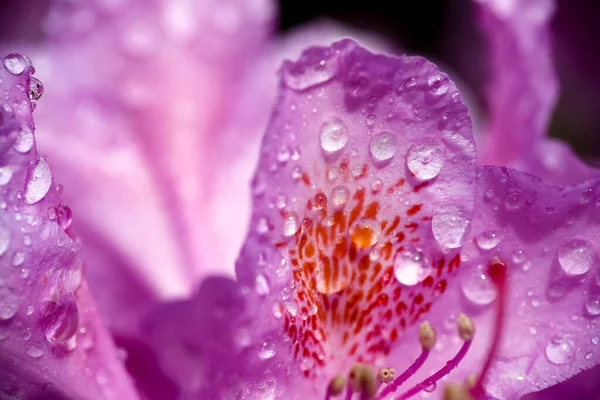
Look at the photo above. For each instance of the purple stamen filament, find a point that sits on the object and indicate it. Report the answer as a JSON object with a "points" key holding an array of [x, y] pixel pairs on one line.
{"points": [[410, 371], [450, 365]]}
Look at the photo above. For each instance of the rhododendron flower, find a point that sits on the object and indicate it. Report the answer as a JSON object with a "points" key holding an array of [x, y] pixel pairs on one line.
{"points": [[385, 259]]}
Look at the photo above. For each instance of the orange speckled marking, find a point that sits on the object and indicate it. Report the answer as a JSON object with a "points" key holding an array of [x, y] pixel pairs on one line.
{"points": [[349, 303]]}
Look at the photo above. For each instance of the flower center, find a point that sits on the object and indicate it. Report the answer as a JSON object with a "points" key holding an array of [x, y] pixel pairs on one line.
{"points": [[362, 271]]}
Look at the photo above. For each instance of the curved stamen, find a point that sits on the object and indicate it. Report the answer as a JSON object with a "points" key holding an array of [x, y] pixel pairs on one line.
{"points": [[335, 387], [498, 272], [385, 375], [427, 338], [466, 330]]}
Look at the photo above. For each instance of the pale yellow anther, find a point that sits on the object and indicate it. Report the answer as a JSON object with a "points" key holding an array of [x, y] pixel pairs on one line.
{"points": [[337, 385], [471, 381], [386, 375], [455, 391], [362, 378], [466, 328], [427, 335]]}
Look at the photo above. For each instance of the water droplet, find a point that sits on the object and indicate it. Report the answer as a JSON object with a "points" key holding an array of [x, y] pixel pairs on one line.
{"points": [[39, 182], [575, 257], [426, 158], [6, 174], [36, 89], [489, 240], [35, 350], [560, 350], [307, 363], [283, 155], [24, 140], [277, 310], [329, 280], [15, 63], [340, 195], [479, 288], [9, 303], [450, 226], [261, 285], [592, 306], [514, 199], [383, 146], [266, 351], [301, 77], [4, 239], [18, 258], [333, 135], [411, 267], [589, 355], [595, 340], [320, 201], [365, 232], [430, 388], [59, 319], [290, 225], [518, 256]]}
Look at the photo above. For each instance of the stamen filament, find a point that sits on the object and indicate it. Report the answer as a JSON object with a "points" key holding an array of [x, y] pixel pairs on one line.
{"points": [[445, 370], [427, 338], [498, 273]]}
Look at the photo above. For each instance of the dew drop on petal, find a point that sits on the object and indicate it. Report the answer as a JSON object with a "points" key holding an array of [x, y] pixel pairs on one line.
{"points": [[24, 141], [431, 387], [383, 146], [426, 158], [6, 174], [320, 201], [479, 289], [327, 285], [411, 267], [59, 320], [39, 182], [333, 135], [9, 303], [560, 350], [340, 195], [36, 89], [302, 77], [266, 351], [35, 350], [592, 306], [15, 63], [575, 257], [365, 232], [4, 239], [290, 225], [450, 226], [489, 240]]}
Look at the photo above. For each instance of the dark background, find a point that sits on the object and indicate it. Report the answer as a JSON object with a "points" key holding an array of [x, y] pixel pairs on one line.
{"points": [[445, 31]]}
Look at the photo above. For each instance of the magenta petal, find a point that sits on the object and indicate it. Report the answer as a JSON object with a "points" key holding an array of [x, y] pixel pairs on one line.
{"points": [[522, 93], [548, 238], [142, 93], [52, 341]]}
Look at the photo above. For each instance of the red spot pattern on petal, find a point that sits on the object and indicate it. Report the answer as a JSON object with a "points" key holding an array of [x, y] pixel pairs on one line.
{"points": [[349, 303]]}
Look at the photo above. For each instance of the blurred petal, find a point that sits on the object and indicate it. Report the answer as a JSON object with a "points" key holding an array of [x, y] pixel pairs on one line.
{"points": [[522, 93], [140, 90], [52, 341]]}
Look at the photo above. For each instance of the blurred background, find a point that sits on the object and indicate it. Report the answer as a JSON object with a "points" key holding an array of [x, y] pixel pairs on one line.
{"points": [[444, 31]]}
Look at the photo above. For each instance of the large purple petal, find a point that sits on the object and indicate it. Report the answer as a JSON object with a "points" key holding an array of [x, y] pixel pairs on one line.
{"points": [[364, 154], [522, 93], [52, 341], [141, 92]]}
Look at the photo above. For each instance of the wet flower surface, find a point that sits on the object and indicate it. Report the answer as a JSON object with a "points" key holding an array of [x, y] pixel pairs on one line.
{"points": [[386, 256]]}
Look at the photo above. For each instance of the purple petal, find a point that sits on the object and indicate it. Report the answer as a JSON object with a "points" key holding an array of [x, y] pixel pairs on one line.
{"points": [[333, 178], [141, 91], [548, 238], [522, 93], [52, 341]]}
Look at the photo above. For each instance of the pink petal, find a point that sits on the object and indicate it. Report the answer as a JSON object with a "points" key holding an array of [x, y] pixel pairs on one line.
{"points": [[52, 341], [522, 93], [140, 92], [306, 173]]}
